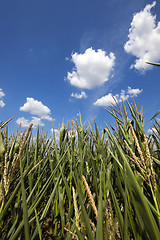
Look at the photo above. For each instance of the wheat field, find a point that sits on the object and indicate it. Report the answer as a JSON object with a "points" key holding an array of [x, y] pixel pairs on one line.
{"points": [[90, 184]]}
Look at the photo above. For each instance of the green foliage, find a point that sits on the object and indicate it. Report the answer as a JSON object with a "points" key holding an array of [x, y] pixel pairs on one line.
{"points": [[114, 173]]}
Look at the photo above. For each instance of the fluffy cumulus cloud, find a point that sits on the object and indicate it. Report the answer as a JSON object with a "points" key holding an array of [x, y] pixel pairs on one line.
{"points": [[25, 122], [144, 38], [37, 108], [134, 92], [123, 96], [92, 68], [2, 94], [106, 100], [110, 99], [79, 95]]}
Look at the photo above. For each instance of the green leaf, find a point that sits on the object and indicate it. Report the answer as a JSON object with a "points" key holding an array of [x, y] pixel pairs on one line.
{"points": [[155, 64], [84, 213], [10, 200], [62, 209], [24, 205], [99, 232], [117, 209], [39, 227], [157, 113], [144, 210], [2, 148]]}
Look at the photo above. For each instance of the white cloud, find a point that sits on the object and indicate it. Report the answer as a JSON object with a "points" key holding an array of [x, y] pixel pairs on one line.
{"points": [[2, 94], [35, 107], [92, 68], [144, 38], [25, 122], [123, 97], [37, 122], [47, 117], [134, 92], [109, 99], [80, 95], [2, 103]]}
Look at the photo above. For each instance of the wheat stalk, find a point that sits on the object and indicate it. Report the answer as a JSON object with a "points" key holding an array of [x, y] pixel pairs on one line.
{"points": [[137, 143], [91, 200], [75, 208]]}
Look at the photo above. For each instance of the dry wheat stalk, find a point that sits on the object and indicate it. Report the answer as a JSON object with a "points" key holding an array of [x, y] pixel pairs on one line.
{"points": [[137, 143], [117, 231], [35, 166], [24, 141], [75, 208], [73, 234], [146, 165], [5, 171], [20, 152], [11, 174], [134, 157], [93, 226], [2, 172], [91, 200], [147, 153], [136, 161], [149, 164], [110, 221]]}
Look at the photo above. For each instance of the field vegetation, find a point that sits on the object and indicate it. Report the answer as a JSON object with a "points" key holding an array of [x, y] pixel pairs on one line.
{"points": [[89, 184]]}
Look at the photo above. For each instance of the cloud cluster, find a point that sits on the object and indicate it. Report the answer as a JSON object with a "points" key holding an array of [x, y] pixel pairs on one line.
{"points": [[25, 122], [2, 94], [92, 68], [79, 95], [37, 108], [109, 99], [144, 38], [106, 100], [134, 92]]}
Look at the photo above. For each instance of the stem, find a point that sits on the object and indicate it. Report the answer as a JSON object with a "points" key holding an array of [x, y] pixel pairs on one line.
{"points": [[155, 201]]}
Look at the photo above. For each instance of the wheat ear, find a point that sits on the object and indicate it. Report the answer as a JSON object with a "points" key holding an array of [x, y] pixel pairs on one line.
{"points": [[91, 200]]}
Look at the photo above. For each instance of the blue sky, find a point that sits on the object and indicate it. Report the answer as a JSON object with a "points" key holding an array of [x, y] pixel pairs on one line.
{"points": [[61, 57]]}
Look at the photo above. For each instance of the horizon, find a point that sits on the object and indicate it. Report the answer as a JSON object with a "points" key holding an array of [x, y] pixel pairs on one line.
{"points": [[58, 61]]}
